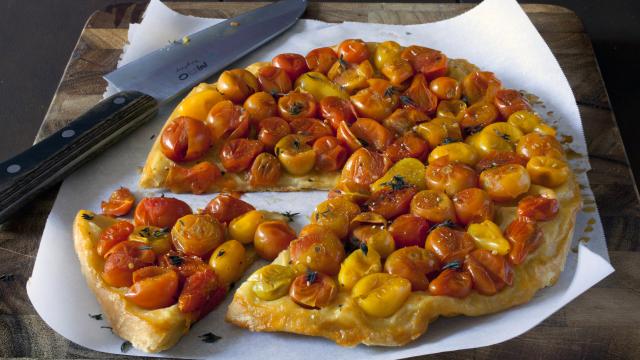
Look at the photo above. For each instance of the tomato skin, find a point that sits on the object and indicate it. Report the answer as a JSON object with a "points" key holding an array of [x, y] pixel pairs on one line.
{"points": [[260, 105], [402, 120], [297, 105], [451, 283], [525, 237], [321, 59], [197, 234], [112, 235], [414, 264], [237, 84], [185, 139], [482, 280], [313, 294], [498, 158], [201, 293], [271, 238], [363, 168], [119, 204], [391, 203], [353, 51], [123, 259], [446, 88], [330, 154], [377, 101], [266, 170], [419, 96], [538, 208], [293, 64], [409, 230], [433, 205], [336, 110], [320, 251], [237, 155], [449, 244], [227, 121], [271, 130], [473, 205], [311, 129], [408, 146], [274, 80], [372, 133], [153, 288], [162, 212], [197, 179], [226, 207], [431, 63], [496, 265]]}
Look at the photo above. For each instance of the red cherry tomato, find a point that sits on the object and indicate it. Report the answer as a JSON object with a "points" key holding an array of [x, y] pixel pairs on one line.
{"points": [[509, 101], [419, 96], [123, 259], [353, 51], [237, 155], [538, 208], [297, 105], [293, 64], [265, 170], [113, 235], [432, 63], [197, 179], [274, 80], [408, 146], [311, 129], [372, 134], [119, 204], [185, 139], [362, 168], [451, 283], [473, 205], [321, 59], [336, 110], [330, 155], [227, 121], [525, 237], [271, 130], [409, 230], [153, 287], [347, 138], [202, 292], [226, 207], [391, 203], [313, 290], [162, 212], [449, 244]]}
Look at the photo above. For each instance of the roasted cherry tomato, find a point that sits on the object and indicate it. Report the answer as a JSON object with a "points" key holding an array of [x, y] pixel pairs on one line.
{"points": [[406, 172], [548, 171], [185, 139], [525, 237], [497, 137], [271, 130], [201, 293], [319, 86], [321, 59], [229, 260], [372, 134], [153, 288], [479, 86], [376, 237], [433, 205], [265, 171], [446, 88], [237, 155], [496, 265], [419, 96], [272, 237], [199, 101], [449, 245], [336, 110], [381, 294], [228, 121], [157, 238], [388, 60], [330, 154], [237, 84], [311, 129], [297, 105], [274, 80], [123, 259], [260, 105], [409, 230], [297, 157], [439, 131], [390, 202], [477, 116], [414, 264], [318, 251], [525, 120], [534, 144], [451, 283], [451, 177], [293, 64], [483, 283], [119, 204], [184, 265], [351, 77], [509, 101], [473, 205], [243, 228], [498, 158], [408, 146], [377, 101], [454, 152], [162, 212], [538, 208], [432, 63], [113, 234], [335, 214], [402, 120], [226, 207], [347, 138], [363, 168], [359, 263], [487, 235], [353, 51], [197, 234], [451, 108], [505, 182], [271, 282], [313, 290], [197, 179]]}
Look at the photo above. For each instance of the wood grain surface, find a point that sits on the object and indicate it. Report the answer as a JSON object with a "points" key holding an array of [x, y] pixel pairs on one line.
{"points": [[602, 323]]}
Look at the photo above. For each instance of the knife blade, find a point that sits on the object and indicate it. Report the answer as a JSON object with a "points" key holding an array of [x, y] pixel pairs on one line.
{"points": [[143, 84]]}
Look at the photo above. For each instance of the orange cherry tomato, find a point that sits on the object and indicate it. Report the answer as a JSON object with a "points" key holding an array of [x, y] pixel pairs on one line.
{"points": [[162, 212], [260, 105], [408, 146], [477, 116], [201, 293], [433, 205], [419, 96], [402, 120], [414, 264], [432, 63], [496, 265], [376, 101], [265, 171], [525, 237], [330, 155], [184, 265], [319, 251], [473, 205], [506, 182], [227, 121], [197, 179], [271, 238], [391, 203], [346, 137], [482, 280], [336, 110], [538, 208], [451, 177], [509, 101], [293, 64], [297, 157], [197, 235], [237, 84], [372, 134], [274, 80], [297, 105], [119, 204], [409, 230], [480, 85], [185, 139], [449, 244], [311, 129], [534, 144], [153, 288], [353, 51], [313, 290], [271, 130], [123, 259], [113, 234], [451, 283], [226, 207], [237, 155], [446, 88], [363, 168], [498, 158], [321, 59]]}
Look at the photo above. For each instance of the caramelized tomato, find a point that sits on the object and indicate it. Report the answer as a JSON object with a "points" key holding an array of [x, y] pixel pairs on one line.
{"points": [[197, 179], [335, 215], [295, 155], [409, 230], [509, 101], [271, 238], [478, 116], [449, 244], [534, 144], [311, 129], [226, 207], [419, 96], [274, 80], [113, 234], [414, 264], [353, 51], [431, 63], [237, 84], [402, 120], [451, 177], [271, 130], [479, 86], [377, 101], [321, 59], [372, 134], [260, 105], [336, 110], [227, 121], [123, 259], [347, 138], [538, 208], [496, 265], [506, 182], [153, 288], [313, 290], [185, 139], [202, 292], [197, 234], [451, 283], [433, 205], [330, 154], [293, 64], [265, 171], [446, 88], [391, 203], [237, 155], [119, 204], [473, 205], [525, 237], [499, 158], [363, 168], [162, 212], [297, 105], [322, 252]]}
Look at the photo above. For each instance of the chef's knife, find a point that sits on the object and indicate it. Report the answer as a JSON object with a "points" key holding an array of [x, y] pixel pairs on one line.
{"points": [[143, 84]]}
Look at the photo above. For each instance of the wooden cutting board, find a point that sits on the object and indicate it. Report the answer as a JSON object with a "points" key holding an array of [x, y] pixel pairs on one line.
{"points": [[603, 322]]}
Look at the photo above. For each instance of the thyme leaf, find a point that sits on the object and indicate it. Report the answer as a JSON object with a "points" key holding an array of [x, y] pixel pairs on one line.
{"points": [[87, 216], [209, 337], [296, 108], [176, 260], [289, 215], [311, 277], [454, 265], [96, 316], [396, 183], [125, 347]]}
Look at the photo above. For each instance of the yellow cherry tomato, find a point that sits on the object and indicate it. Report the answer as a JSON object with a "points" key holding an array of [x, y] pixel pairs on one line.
{"points": [[548, 171], [351, 77], [297, 157], [535, 144], [387, 60], [381, 294], [376, 237], [158, 238], [197, 234], [439, 130], [413, 263], [506, 182], [357, 265], [409, 169], [318, 85], [272, 281], [456, 152], [335, 214], [229, 261], [198, 103], [545, 129], [451, 108], [500, 137], [243, 228], [487, 235], [524, 120]]}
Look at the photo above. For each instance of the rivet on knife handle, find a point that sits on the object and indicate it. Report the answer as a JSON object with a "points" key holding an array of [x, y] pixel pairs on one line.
{"points": [[49, 161]]}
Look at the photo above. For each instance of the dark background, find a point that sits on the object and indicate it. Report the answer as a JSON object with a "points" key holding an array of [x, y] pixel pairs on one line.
{"points": [[37, 37]]}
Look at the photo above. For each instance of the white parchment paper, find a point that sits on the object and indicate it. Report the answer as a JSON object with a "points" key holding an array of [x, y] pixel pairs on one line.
{"points": [[496, 35]]}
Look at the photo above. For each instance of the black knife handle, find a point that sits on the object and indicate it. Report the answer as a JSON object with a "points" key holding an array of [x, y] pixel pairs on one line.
{"points": [[50, 160]]}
